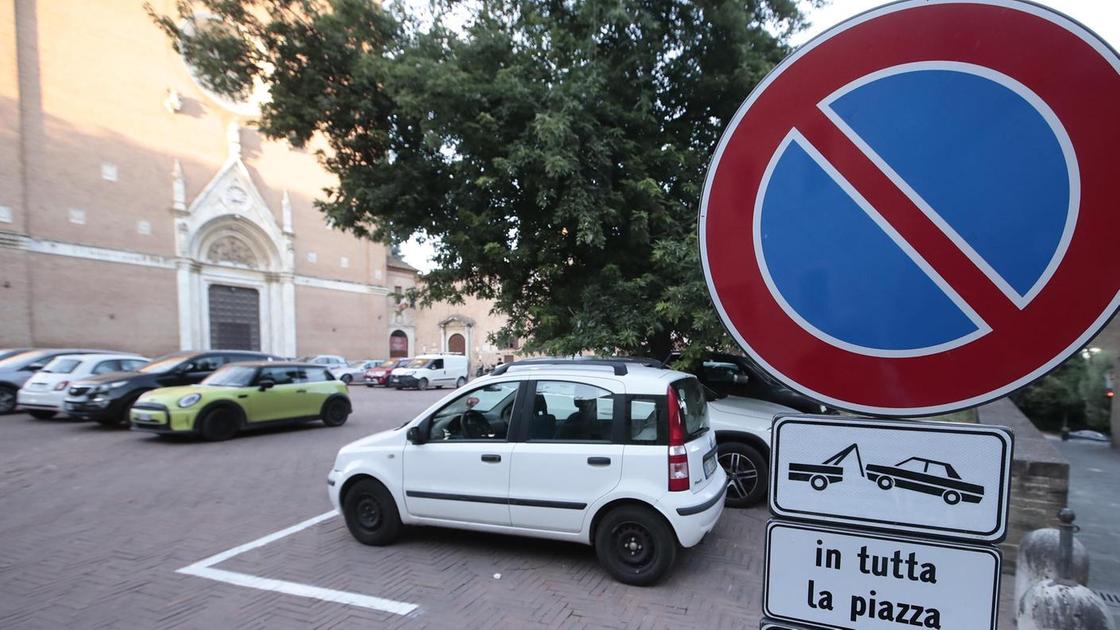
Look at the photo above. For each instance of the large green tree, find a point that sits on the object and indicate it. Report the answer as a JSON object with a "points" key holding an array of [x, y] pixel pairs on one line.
{"points": [[553, 152]]}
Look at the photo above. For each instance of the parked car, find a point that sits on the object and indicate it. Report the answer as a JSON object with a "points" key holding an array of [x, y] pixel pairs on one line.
{"points": [[44, 393], [606, 453], [380, 375], [734, 375], [106, 398], [329, 360], [244, 396], [355, 371], [18, 368], [431, 370], [742, 428], [7, 352]]}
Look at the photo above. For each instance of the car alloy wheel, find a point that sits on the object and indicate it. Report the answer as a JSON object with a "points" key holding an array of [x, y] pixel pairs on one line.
{"points": [[423, 384], [742, 474]]}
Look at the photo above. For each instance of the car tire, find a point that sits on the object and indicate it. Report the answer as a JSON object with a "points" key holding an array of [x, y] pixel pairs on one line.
{"points": [[422, 384], [635, 545], [219, 424], [40, 414], [346, 378], [461, 382], [747, 474], [371, 513], [335, 412], [7, 399]]}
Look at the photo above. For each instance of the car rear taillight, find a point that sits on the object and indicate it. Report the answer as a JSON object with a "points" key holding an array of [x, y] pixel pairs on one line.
{"points": [[61, 386], [678, 455]]}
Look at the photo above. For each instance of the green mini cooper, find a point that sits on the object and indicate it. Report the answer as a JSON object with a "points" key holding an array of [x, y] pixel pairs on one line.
{"points": [[242, 396]]}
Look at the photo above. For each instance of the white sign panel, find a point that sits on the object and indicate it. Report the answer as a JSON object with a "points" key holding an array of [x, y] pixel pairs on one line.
{"points": [[944, 479], [848, 580]]}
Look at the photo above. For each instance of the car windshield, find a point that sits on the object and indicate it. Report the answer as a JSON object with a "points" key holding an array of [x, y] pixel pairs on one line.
{"points": [[418, 363], [392, 363], [159, 365], [231, 376], [61, 366], [16, 361]]}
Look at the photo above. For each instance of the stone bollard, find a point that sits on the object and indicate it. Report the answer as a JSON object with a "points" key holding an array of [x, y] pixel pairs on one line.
{"points": [[1038, 560], [1060, 603]]}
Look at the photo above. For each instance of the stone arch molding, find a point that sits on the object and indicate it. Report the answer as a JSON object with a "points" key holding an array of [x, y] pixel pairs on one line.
{"points": [[229, 236]]}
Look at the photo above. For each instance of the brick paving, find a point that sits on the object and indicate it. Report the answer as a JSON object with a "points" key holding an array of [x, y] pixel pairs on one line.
{"points": [[94, 523]]}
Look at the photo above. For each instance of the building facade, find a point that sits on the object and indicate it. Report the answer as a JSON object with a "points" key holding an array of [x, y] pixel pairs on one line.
{"points": [[138, 211]]}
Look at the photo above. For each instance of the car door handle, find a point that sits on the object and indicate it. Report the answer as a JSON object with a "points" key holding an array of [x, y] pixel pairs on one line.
{"points": [[491, 459], [599, 461]]}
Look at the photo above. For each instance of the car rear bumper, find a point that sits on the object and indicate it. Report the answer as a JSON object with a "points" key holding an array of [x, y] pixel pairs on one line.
{"points": [[47, 401], [693, 516]]}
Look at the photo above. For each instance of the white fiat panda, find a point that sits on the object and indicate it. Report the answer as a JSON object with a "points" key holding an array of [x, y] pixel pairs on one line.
{"points": [[611, 453]]}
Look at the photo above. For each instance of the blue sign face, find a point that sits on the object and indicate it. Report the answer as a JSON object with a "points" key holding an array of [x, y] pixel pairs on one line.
{"points": [[984, 159]]}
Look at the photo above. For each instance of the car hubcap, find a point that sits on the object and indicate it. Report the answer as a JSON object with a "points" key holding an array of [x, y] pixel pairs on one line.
{"points": [[742, 476], [369, 516], [7, 400], [635, 547]]}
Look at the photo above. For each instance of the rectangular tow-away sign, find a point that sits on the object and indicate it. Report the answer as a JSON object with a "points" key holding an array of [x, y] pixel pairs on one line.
{"points": [[852, 580], [942, 479]]}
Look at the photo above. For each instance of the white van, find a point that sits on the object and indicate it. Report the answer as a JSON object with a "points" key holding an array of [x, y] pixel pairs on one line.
{"points": [[431, 370]]}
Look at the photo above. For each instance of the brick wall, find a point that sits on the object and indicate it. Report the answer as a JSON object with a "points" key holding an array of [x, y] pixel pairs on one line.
{"points": [[1039, 477]]}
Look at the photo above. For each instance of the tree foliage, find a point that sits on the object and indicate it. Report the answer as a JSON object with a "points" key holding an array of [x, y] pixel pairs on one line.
{"points": [[1074, 393], [552, 151]]}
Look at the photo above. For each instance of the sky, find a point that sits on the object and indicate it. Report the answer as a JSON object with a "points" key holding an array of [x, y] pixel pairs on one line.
{"points": [[1100, 16]]}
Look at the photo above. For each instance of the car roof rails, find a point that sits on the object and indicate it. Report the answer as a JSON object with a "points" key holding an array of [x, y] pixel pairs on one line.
{"points": [[618, 364]]}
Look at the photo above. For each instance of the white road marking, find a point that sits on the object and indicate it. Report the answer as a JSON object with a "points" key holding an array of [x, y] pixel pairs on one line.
{"points": [[204, 569]]}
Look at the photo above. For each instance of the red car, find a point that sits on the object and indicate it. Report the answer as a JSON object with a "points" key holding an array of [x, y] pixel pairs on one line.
{"points": [[380, 375]]}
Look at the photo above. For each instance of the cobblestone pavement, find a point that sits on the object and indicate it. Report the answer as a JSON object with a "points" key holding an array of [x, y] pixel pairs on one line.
{"points": [[94, 524]]}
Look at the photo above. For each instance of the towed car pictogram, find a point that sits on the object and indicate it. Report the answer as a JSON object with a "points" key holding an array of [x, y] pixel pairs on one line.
{"points": [[926, 476]]}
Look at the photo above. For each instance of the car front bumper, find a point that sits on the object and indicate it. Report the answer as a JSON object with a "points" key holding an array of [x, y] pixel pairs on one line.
{"points": [[157, 418], [403, 381], [91, 408]]}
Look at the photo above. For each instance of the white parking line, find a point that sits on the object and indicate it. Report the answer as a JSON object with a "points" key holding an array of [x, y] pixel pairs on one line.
{"points": [[204, 569]]}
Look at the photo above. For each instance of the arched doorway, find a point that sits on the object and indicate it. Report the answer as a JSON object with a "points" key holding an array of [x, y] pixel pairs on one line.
{"points": [[398, 344], [457, 344]]}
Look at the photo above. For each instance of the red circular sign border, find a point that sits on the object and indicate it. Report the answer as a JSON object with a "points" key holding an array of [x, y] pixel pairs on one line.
{"points": [[905, 384]]}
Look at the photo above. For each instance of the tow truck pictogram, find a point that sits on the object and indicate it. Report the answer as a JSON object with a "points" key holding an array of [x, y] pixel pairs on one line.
{"points": [[829, 471], [916, 474]]}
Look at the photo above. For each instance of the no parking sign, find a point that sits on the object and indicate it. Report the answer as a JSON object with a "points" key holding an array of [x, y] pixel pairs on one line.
{"points": [[915, 212]]}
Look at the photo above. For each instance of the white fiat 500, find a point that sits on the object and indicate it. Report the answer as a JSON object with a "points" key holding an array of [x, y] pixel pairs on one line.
{"points": [[609, 453]]}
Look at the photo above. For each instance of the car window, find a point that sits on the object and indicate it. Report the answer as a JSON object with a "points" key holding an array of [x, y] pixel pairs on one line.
{"points": [[437, 364], [61, 366], [720, 372], [571, 412], [645, 415], [693, 406], [480, 414], [315, 375], [231, 376], [104, 367], [283, 375], [207, 363], [132, 364]]}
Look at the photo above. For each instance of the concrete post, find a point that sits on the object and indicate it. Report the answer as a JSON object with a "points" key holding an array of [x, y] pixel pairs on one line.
{"points": [[1061, 603]]}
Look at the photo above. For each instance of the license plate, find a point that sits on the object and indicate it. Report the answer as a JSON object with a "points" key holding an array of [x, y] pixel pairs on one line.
{"points": [[144, 417], [70, 406], [709, 465]]}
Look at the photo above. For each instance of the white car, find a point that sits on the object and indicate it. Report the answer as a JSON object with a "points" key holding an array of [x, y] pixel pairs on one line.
{"points": [[742, 428], [603, 452], [354, 372], [42, 395], [431, 370]]}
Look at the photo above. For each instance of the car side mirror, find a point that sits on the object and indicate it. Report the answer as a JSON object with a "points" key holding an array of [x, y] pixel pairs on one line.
{"points": [[266, 383], [419, 433]]}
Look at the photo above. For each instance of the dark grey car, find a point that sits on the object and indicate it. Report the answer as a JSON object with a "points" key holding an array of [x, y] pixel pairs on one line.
{"points": [[17, 368]]}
